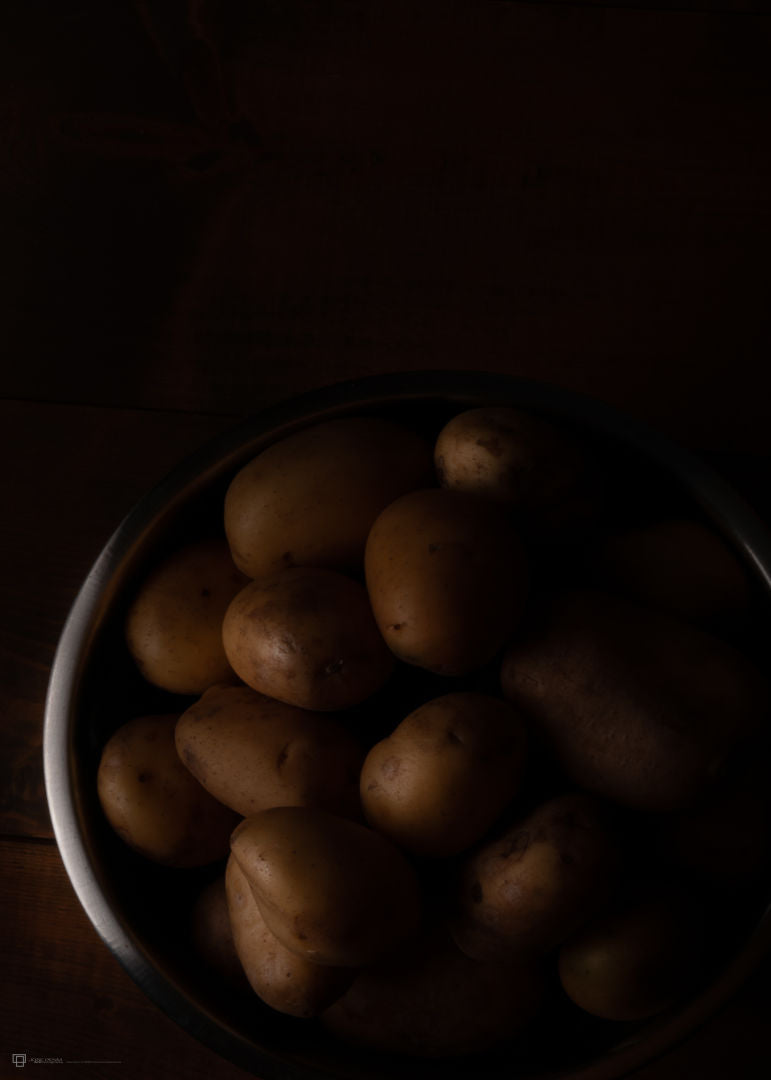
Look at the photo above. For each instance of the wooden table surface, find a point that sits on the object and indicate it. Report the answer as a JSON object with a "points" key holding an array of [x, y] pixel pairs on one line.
{"points": [[209, 207]]}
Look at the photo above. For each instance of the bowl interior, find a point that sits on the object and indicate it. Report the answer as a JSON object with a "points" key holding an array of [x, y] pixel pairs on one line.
{"points": [[96, 687]]}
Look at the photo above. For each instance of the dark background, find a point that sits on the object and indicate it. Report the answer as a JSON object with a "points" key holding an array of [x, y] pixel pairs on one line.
{"points": [[209, 207]]}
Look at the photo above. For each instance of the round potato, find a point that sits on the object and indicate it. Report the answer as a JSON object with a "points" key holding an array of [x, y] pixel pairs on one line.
{"points": [[174, 625], [331, 890], [307, 637], [634, 961], [310, 499], [432, 1001], [447, 579], [637, 706], [252, 752], [524, 461], [154, 804], [529, 889], [287, 982], [443, 776]]}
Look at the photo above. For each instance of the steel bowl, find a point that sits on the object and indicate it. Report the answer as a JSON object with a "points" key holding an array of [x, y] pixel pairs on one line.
{"points": [[94, 687]]}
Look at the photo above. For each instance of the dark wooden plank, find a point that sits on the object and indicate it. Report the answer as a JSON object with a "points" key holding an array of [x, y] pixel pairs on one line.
{"points": [[65, 996], [572, 193], [75, 473]]}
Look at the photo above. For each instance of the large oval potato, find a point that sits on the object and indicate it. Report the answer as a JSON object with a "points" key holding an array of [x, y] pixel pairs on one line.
{"points": [[331, 890], [154, 803], [306, 636], [529, 889], [636, 959], [287, 982], [252, 752], [636, 705], [447, 579], [522, 460], [174, 625], [432, 1001], [310, 499], [439, 781]]}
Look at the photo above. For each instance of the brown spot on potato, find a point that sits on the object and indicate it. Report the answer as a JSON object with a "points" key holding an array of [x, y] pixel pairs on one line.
{"points": [[492, 445], [453, 737], [283, 754], [396, 626], [205, 592], [287, 558], [390, 767], [334, 667], [144, 777]]}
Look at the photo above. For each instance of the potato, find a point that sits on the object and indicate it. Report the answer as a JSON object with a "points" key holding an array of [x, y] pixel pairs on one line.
{"points": [[282, 979], [634, 961], [680, 566], [310, 499], [174, 625], [331, 890], [524, 461], [636, 706], [432, 1001], [307, 637], [153, 802], [529, 889], [438, 782], [252, 752], [447, 579], [212, 935]]}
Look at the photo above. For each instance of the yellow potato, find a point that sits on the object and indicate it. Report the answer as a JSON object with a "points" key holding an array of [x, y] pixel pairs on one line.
{"points": [[637, 706], [432, 1001], [331, 890], [154, 804], [529, 889], [307, 637], [174, 625], [524, 461], [252, 752], [447, 579], [310, 499], [440, 780], [287, 982]]}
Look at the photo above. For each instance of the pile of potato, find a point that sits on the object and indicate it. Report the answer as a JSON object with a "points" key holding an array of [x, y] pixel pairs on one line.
{"points": [[467, 743]]}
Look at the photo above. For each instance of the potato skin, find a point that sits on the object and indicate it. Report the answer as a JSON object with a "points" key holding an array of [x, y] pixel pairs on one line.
{"points": [[636, 959], [174, 625], [307, 637], [310, 499], [447, 578], [287, 982], [529, 889], [637, 706], [212, 935], [252, 752], [438, 782], [524, 461], [432, 1001], [154, 804], [331, 890]]}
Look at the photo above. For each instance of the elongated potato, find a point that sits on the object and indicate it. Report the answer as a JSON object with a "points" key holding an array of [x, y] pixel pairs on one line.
{"points": [[331, 890], [636, 705], [154, 803], [447, 578], [252, 752], [287, 982], [310, 499], [445, 773]]}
